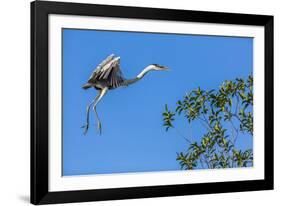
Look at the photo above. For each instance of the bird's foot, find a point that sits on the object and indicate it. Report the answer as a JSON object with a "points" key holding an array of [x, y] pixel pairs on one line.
{"points": [[85, 127], [99, 128]]}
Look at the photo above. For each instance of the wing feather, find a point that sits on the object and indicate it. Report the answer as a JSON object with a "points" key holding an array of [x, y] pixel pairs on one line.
{"points": [[105, 71], [101, 66], [116, 77], [108, 71]]}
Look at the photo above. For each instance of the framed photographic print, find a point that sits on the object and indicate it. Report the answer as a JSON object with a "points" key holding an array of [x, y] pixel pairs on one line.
{"points": [[131, 102]]}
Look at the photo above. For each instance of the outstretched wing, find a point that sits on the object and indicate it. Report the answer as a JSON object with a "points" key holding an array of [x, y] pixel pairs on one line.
{"points": [[100, 66], [108, 72], [115, 77]]}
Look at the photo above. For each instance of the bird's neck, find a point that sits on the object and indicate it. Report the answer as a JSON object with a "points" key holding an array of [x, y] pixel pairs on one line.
{"points": [[139, 76], [144, 72]]}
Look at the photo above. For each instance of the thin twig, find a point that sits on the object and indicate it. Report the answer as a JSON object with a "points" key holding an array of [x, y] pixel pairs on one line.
{"points": [[181, 135], [201, 163]]}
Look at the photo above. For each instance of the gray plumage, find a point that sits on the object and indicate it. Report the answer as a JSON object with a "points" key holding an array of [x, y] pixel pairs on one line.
{"points": [[107, 76]]}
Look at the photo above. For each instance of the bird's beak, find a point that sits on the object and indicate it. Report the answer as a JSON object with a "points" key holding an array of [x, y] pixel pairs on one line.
{"points": [[165, 68]]}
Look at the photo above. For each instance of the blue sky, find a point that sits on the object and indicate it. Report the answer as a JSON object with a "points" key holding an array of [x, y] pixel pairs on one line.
{"points": [[133, 138]]}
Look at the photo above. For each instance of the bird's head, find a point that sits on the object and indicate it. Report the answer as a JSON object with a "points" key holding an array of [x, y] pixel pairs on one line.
{"points": [[158, 67]]}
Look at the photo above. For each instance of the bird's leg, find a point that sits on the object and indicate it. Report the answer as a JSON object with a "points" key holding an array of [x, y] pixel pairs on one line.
{"points": [[86, 127], [102, 93]]}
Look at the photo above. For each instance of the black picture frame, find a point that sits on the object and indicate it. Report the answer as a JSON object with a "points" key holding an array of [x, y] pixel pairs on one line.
{"points": [[40, 108]]}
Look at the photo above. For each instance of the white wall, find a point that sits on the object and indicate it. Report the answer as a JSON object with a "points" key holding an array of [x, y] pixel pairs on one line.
{"points": [[14, 102]]}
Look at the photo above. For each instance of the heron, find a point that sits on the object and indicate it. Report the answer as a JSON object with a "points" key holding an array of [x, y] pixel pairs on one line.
{"points": [[108, 76]]}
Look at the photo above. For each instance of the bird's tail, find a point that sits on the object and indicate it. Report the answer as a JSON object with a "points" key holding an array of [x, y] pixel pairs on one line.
{"points": [[87, 85]]}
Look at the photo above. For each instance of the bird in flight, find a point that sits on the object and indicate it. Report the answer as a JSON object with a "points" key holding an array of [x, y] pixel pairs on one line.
{"points": [[108, 76]]}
